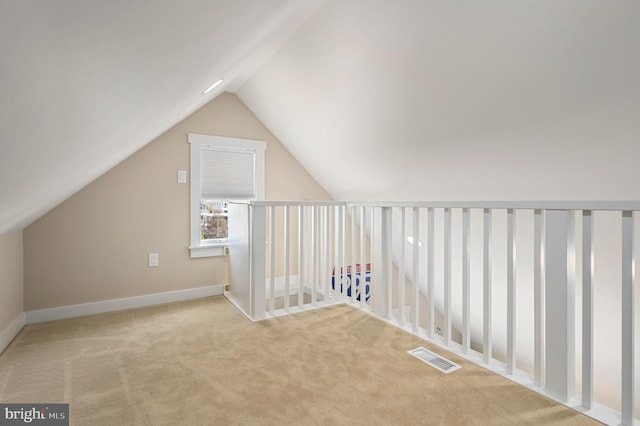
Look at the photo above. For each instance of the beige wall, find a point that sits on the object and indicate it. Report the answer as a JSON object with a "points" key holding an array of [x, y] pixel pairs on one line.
{"points": [[94, 246], [11, 278]]}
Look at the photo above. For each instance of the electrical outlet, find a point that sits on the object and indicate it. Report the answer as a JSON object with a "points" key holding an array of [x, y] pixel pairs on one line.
{"points": [[153, 260]]}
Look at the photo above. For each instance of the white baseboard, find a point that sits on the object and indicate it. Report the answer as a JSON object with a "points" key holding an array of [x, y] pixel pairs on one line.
{"points": [[12, 330], [239, 307], [120, 304], [279, 288]]}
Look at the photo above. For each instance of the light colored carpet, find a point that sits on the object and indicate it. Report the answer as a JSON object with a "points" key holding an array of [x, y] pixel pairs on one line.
{"points": [[202, 363]]}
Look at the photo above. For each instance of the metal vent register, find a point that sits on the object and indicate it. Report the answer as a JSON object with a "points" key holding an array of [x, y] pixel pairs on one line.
{"points": [[436, 361]]}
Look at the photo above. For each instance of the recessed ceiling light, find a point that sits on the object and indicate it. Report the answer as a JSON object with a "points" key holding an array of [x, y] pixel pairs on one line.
{"points": [[213, 86]]}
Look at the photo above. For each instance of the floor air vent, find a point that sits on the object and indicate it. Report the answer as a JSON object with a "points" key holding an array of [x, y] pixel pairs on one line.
{"points": [[434, 360]]}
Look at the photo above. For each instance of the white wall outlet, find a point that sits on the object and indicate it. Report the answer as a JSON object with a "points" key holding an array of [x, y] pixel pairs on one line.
{"points": [[153, 260], [182, 176]]}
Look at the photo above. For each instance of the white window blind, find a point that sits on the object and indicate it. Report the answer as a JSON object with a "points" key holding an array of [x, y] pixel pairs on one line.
{"points": [[222, 169], [227, 174]]}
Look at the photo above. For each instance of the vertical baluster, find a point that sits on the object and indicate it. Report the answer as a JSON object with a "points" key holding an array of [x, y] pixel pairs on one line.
{"points": [[487, 288], [401, 269], [354, 257], [416, 270], [314, 254], [300, 255], [325, 258], [257, 276], [272, 258], [372, 237], [559, 269], [628, 372], [447, 276], [587, 309], [337, 280], [321, 247], [572, 273], [306, 266], [343, 248], [538, 298], [466, 266], [511, 292], [363, 260], [431, 272], [389, 260], [286, 258]]}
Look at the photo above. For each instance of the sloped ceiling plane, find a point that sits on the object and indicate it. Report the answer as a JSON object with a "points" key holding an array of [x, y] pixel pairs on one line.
{"points": [[378, 100]]}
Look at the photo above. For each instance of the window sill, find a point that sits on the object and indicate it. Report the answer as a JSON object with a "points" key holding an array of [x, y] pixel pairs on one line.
{"points": [[208, 251]]}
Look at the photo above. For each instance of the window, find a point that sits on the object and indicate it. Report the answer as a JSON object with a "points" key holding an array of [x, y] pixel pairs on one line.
{"points": [[222, 169], [213, 220]]}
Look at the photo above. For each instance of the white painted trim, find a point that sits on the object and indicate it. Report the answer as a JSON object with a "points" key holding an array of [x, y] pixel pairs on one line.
{"points": [[294, 288], [279, 286], [305, 308], [526, 205], [235, 303], [197, 141], [83, 309], [12, 330], [263, 203], [207, 251]]}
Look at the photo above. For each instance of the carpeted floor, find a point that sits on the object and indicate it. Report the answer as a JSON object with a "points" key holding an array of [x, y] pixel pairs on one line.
{"points": [[203, 363]]}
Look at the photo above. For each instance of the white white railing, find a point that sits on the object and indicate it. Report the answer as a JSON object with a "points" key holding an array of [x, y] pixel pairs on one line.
{"points": [[436, 269]]}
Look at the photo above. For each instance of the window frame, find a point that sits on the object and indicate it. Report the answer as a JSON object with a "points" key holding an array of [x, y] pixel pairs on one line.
{"points": [[199, 248]]}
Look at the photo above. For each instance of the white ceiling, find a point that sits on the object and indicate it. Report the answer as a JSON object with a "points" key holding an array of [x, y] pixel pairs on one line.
{"points": [[84, 84], [378, 99], [466, 100]]}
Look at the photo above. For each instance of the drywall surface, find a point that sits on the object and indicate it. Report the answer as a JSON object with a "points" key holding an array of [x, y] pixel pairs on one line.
{"points": [[94, 246], [450, 101], [11, 278]]}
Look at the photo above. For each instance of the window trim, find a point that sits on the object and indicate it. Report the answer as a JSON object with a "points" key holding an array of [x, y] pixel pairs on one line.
{"points": [[197, 248]]}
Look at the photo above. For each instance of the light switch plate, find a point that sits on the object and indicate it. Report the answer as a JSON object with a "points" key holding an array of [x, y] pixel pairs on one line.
{"points": [[182, 176]]}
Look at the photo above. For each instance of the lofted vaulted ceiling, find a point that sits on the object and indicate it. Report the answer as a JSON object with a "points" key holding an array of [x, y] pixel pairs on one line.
{"points": [[466, 100], [85, 83], [378, 99]]}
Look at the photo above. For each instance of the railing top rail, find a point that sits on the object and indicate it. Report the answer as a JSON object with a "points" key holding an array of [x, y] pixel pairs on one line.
{"points": [[296, 203], [524, 205]]}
